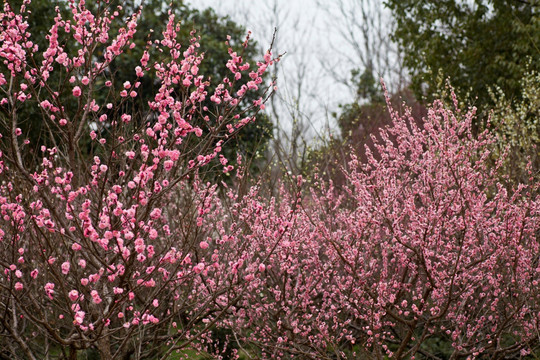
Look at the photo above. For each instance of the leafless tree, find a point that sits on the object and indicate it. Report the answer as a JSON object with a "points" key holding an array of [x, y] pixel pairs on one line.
{"points": [[365, 28]]}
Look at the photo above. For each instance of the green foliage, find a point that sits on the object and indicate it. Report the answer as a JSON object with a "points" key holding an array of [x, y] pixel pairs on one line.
{"points": [[367, 86], [477, 44]]}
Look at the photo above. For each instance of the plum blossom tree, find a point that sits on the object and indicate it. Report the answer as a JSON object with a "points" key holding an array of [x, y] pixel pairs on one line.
{"points": [[421, 245], [109, 252]]}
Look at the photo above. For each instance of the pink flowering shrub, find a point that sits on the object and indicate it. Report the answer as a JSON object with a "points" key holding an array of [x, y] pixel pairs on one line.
{"points": [[422, 246], [103, 236]]}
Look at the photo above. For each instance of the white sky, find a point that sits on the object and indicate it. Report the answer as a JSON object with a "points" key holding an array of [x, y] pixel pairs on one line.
{"points": [[302, 34], [309, 36]]}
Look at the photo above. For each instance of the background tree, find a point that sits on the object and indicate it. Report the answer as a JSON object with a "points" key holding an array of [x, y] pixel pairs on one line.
{"points": [[365, 28], [477, 44]]}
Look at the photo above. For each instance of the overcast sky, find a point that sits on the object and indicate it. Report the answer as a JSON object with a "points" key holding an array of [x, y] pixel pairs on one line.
{"points": [[305, 88], [309, 36]]}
